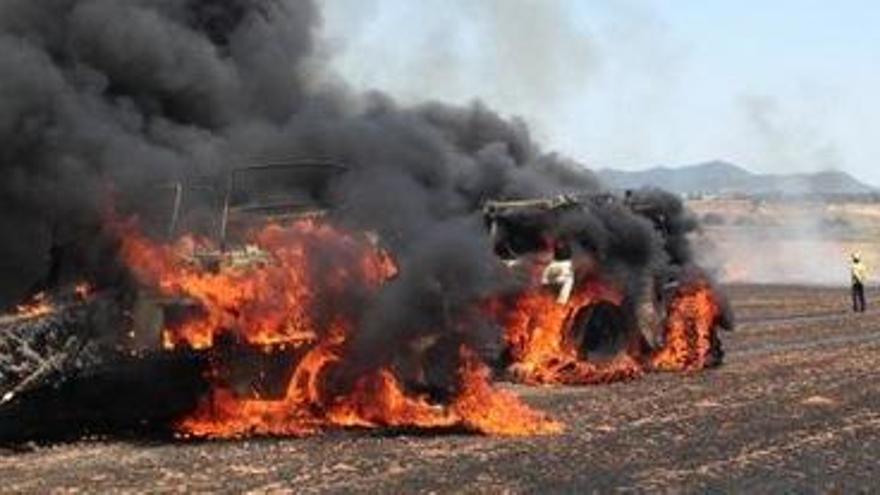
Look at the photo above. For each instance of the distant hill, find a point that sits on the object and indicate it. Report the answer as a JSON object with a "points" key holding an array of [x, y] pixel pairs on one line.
{"points": [[720, 177]]}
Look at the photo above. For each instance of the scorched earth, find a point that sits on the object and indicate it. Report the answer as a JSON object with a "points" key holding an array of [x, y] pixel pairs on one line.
{"points": [[796, 408]]}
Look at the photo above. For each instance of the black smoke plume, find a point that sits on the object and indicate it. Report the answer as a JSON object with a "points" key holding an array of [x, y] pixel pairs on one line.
{"points": [[109, 95]]}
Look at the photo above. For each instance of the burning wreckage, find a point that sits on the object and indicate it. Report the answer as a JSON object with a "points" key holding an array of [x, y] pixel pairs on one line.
{"points": [[582, 327], [249, 331]]}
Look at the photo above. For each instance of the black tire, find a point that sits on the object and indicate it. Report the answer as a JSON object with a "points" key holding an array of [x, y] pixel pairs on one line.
{"points": [[599, 331]]}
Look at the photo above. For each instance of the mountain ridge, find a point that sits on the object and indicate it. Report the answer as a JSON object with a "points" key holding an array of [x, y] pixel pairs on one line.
{"points": [[721, 177]]}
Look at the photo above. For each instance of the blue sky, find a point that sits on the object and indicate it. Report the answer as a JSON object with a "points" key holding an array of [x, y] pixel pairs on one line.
{"points": [[777, 86]]}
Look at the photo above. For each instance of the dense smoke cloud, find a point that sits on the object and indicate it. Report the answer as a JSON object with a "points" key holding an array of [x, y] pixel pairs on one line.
{"points": [[102, 95]]}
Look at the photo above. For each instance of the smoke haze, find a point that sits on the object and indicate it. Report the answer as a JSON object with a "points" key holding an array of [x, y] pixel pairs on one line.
{"points": [[101, 97]]}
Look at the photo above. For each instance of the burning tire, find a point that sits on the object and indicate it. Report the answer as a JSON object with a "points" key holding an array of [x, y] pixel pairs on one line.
{"points": [[690, 329], [599, 331]]}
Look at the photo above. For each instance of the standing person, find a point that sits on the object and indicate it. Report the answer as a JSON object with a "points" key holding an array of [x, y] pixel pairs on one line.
{"points": [[859, 273]]}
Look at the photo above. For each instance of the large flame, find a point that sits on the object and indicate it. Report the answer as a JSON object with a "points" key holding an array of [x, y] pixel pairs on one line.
{"points": [[276, 302], [689, 330], [539, 334], [307, 294]]}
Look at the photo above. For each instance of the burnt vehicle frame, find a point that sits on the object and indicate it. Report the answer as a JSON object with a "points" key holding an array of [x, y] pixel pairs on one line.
{"points": [[98, 364], [231, 250], [520, 229], [265, 372]]}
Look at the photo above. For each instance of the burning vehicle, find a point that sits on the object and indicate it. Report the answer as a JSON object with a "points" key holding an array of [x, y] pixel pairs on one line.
{"points": [[241, 321], [186, 297], [282, 196], [574, 325]]}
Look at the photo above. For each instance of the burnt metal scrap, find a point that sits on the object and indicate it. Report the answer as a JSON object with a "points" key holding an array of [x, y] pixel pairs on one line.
{"points": [[80, 367], [37, 346], [64, 373]]}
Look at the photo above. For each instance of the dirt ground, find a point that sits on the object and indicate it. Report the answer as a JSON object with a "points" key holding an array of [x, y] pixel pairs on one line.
{"points": [[796, 408]]}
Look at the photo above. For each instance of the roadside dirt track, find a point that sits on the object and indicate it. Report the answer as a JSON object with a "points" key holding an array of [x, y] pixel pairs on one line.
{"points": [[796, 408]]}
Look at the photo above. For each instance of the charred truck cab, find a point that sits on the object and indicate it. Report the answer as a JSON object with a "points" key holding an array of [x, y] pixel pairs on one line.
{"points": [[71, 343], [252, 198]]}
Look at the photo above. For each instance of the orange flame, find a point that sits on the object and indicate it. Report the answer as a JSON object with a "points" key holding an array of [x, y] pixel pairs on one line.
{"points": [[38, 305], [377, 400], [306, 294], [689, 330], [537, 331], [489, 410]]}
